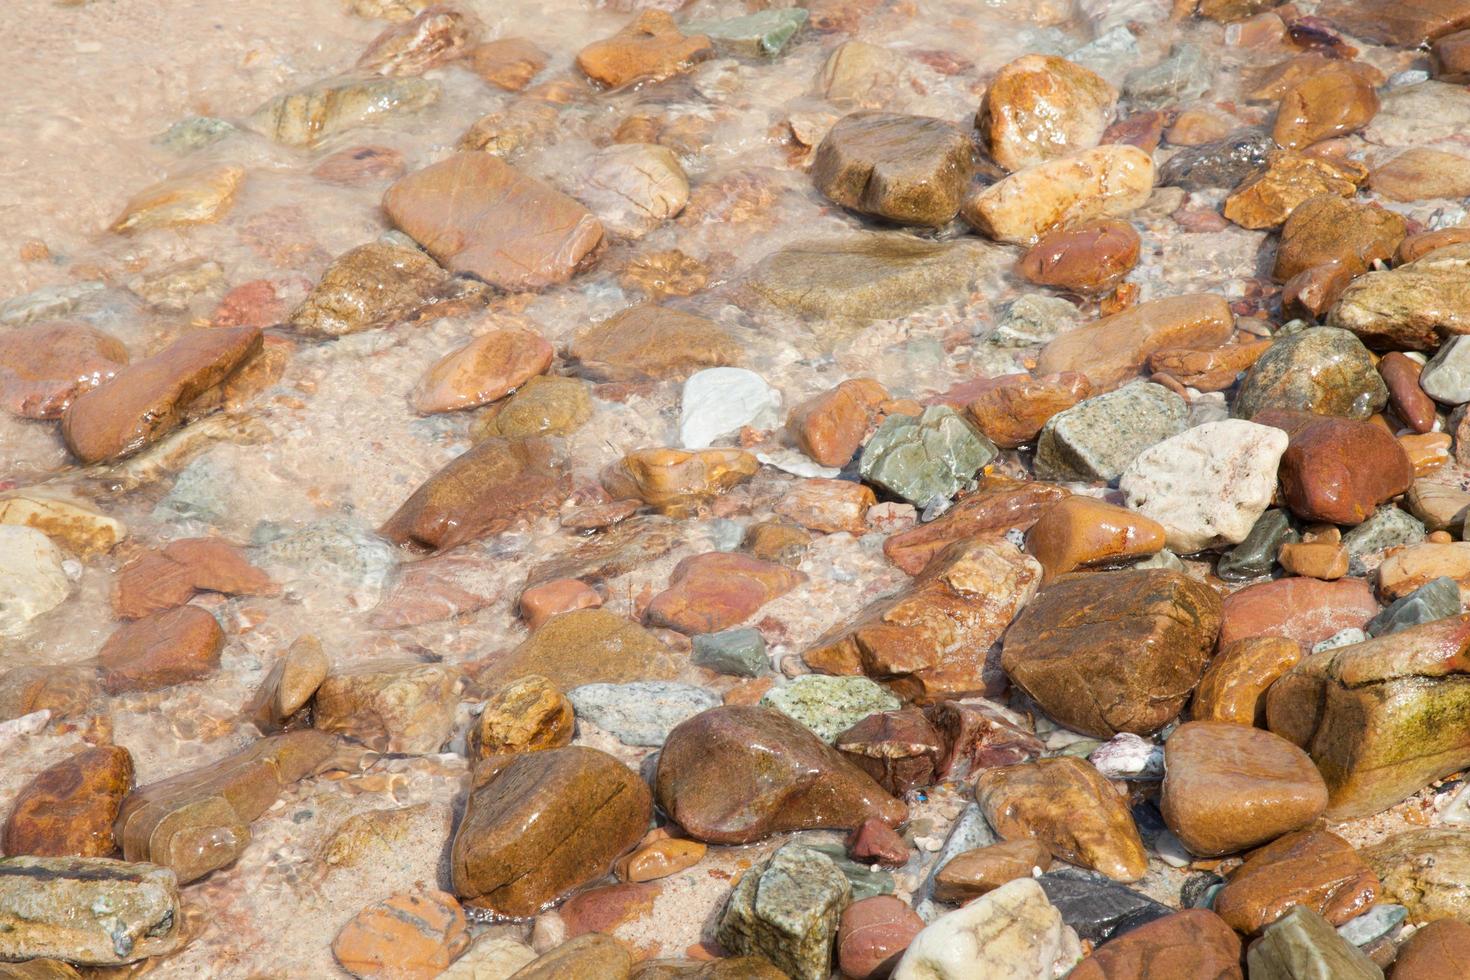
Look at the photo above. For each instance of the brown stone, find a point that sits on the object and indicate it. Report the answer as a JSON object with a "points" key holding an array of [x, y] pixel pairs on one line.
{"points": [[149, 398], [163, 579], [526, 715], [157, 651], [403, 937], [1407, 24], [1229, 787], [68, 809], [292, 681], [1424, 869], [650, 342], [912, 170], [1420, 245], [1196, 127], [1274, 82], [873, 934], [479, 493], [648, 49], [546, 405], [827, 505], [1327, 228], [508, 62], [1040, 108], [1113, 652], [978, 735], [1322, 472], [474, 213], [541, 602], [714, 591], [1235, 684], [996, 508], [200, 196], [45, 366], [1092, 257], [1422, 174], [1208, 369], [1012, 411], [437, 588], [1437, 951], [1114, 349], [777, 541], [874, 842], [1427, 452], [1268, 197], [1303, 610], [974, 873], [1067, 806], [487, 368], [199, 820], [736, 774], [543, 824], [900, 749], [660, 859], [678, 481], [1194, 943], [1081, 531], [589, 957], [373, 285], [65, 691], [590, 646], [1310, 294], [608, 908], [934, 638], [1310, 867], [391, 705], [1410, 403], [435, 37], [831, 427], [1321, 559], [1322, 106], [351, 167]]}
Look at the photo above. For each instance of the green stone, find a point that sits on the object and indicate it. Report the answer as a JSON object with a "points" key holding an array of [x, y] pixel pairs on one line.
{"points": [[1389, 527], [787, 911], [1433, 600], [1256, 555], [1096, 439], [1322, 370], [830, 706], [194, 133], [865, 882], [1302, 945], [762, 34], [933, 456], [740, 652]]}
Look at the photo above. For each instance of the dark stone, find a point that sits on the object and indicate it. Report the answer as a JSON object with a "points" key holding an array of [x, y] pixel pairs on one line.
{"points": [[1223, 163], [1256, 555], [1198, 890], [1433, 600], [1098, 907]]}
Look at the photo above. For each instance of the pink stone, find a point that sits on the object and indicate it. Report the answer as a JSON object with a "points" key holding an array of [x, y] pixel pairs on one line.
{"points": [[873, 934], [874, 842], [714, 591], [540, 602], [1302, 609]]}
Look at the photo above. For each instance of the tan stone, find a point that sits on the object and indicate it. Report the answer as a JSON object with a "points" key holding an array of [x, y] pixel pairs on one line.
{"points": [[391, 705], [913, 170], [653, 342], [1324, 105], [1208, 369], [541, 602], [1040, 108], [1321, 559], [827, 505], [994, 509], [1106, 181], [649, 48], [68, 521], [435, 37], [508, 62], [1309, 867], [373, 285], [590, 646], [1080, 531], [1327, 229], [155, 580], [198, 197], [1422, 174], [678, 481], [1409, 568], [68, 809], [1267, 198], [660, 859], [974, 873], [292, 681]]}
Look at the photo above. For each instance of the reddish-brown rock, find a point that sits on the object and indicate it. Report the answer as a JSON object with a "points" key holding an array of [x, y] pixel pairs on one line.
{"points": [[403, 937], [1327, 229], [1088, 258], [652, 342], [1310, 867], [1304, 610], [149, 398], [1437, 951], [874, 842], [1401, 374], [43, 367], [1235, 684], [164, 579], [873, 934], [900, 749], [1308, 295], [974, 873], [508, 62], [1407, 23], [1194, 943], [979, 735], [827, 505], [648, 49], [1420, 245], [1081, 531], [358, 165], [1013, 409], [540, 602], [1210, 368], [1324, 105], [489, 367], [1114, 349], [997, 507], [482, 492], [677, 481], [830, 427], [68, 809], [717, 590], [165, 648], [1269, 196], [1338, 470], [1422, 174]]}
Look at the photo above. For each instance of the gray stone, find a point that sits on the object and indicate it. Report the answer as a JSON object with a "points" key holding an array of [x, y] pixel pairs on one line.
{"points": [[1035, 319], [741, 652], [1446, 378], [1342, 638], [936, 455], [830, 705], [92, 911], [1302, 945], [640, 712], [865, 882], [1182, 77], [1433, 600], [761, 34], [969, 832], [787, 910], [1096, 906], [194, 133], [1223, 163], [1322, 370], [1389, 527], [1199, 890], [1373, 924], [334, 547], [1108, 54], [1096, 439]]}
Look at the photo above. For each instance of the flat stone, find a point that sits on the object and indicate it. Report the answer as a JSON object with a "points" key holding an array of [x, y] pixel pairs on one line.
{"points": [[1324, 105], [911, 170], [1115, 349], [653, 342], [474, 213], [1410, 568], [634, 187], [586, 957], [543, 406], [33, 580], [1182, 76], [436, 588], [1036, 318], [1311, 868], [1223, 163], [1422, 174], [737, 774], [640, 712], [1328, 229], [829, 706], [720, 401], [543, 824], [1373, 924], [1437, 951], [932, 456], [1097, 907], [63, 517], [1417, 306], [486, 369], [787, 910], [156, 580], [432, 38], [1191, 943], [830, 427], [68, 809], [648, 49], [1013, 929], [161, 650], [1235, 683], [1066, 805], [1304, 610], [1012, 411], [322, 109], [1256, 554], [1101, 182], [1416, 22], [373, 285], [675, 481], [978, 872], [290, 684], [590, 646], [508, 63], [1208, 485], [45, 366], [1446, 378], [828, 506], [718, 590], [1422, 870], [200, 196], [92, 911], [1303, 944], [1436, 599], [1041, 108], [741, 652]]}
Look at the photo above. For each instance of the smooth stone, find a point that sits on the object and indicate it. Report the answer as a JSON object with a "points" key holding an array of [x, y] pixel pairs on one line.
{"points": [[633, 188], [872, 934], [1012, 409], [1129, 756], [1096, 906], [720, 401], [829, 706], [1303, 946], [157, 651], [1191, 943], [787, 910], [828, 506], [1422, 174], [508, 63], [1446, 378], [660, 859], [1114, 651], [1321, 370], [1012, 931], [526, 715], [486, 369], [1310, 868], [830, 427], [1373, 924], [764, 33], [1080, 531], [1415, 115], [45, 366], [1096, 439], [718, 590], [1436, 599], [737, 774], [157, 580], [1235, 683], [1223, 163], [1424, 870], [1088, 258], [1036, 318], [1328, 229], [68, 809], [652, 342], [90, 911], [194, 133], [1182, 76], [1101, 182], [648, 49], [1324, 105], [541, 602], [1416, 306], [1114, 349], [640, 712], [1256, 554], [408, 935], [1441, 508], [898, 748], [403, 706], [1040, 108], [932, 456], [912, 170], [1410, 27], [322, 109], [1408, 568], [984, 869], [740, 652], [544, 406], [678, 482], [200, 196], [63, 517], [1437, 951], [33, 580], [1389, 526], [590, 646], [857, 72], [996, 508], [1065, 804], [592, 956], [373, 285], [1320, 475], [1408, 400], [866, 882], [543, 824], [1303, 610]]}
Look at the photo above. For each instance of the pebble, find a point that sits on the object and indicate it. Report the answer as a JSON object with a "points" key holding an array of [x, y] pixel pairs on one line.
{"points": [[1182, 76], [640, 712], [1377, 922], [1446, 378], [650, 341], [873, 934], [634, 187], [740, 652], [1436, 599], [526, 715], [1092, 257], [1324, 105], [1192, 943], [911, 170], [649, 49], [590, 646], [1388, 527], [1096, 439], [1035, 318], [1223, 163], [541, 602], [486, 369], [832, 426], [371, 286], [1422, 174], [1314, 869], [34, 580], [1422, 870], [919, 459], [1268, 197], [1128, 756], [718, 590], [310, 115], [68, 809], [720, 401], [201, 196], [1321, 370], [404, 936], [787, 910], [980, 871], [160, 650], [1439, 950], [1013, 929], [1101, 182], [829, 706], [1327, 229], [676, 481], [898, 748], [1081, 531], [1040, 108]]}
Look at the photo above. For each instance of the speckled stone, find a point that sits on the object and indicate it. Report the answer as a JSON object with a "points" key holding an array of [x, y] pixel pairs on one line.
{"points": [[932, 456], [830, 706], [787, 910], [1095, 440], [640, 712], [1387, 527]]}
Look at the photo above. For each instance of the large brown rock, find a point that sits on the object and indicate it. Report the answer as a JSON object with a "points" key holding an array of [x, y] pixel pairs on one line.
{"points": [[1115, 349], [1194, 943], [1228, 787], [543, 824], [1338, 470], [477, 214], [997, 507], [390, 706], [934, 638], [1040, 108], [373, 285], [1407, 23], [717, 590], [156, 580], [68, 809], [1310, 867], [1329, 229], [44, 366], [1067, 805], [157, 651], [1092, 257], [650, 342], [150, 398], [910, 169], [979, 734], [1111, 652], [1383, 718], [199, 820], [1438, 951], [736, 774], [482, 492], [1303, 610]]}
